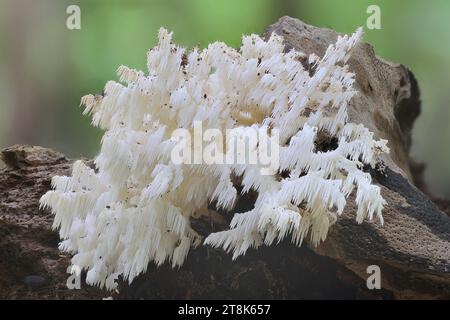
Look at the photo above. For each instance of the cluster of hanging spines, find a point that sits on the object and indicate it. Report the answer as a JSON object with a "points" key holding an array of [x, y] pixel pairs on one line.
{"points": [[258, 83], [315, 193], [111, 236], [136, 207]]}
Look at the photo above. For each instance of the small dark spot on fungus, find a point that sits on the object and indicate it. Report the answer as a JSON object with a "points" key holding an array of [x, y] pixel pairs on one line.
{"points": [[184, 60]]}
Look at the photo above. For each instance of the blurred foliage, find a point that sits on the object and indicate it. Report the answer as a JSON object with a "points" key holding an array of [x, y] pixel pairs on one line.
{"points": [[45, 68]]}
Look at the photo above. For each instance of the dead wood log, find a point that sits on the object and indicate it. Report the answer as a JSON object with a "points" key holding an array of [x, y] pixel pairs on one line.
{"points": [[412, 249]]}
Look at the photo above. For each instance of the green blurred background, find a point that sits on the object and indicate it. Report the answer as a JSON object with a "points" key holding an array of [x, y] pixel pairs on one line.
{"points": [[45, 68]]}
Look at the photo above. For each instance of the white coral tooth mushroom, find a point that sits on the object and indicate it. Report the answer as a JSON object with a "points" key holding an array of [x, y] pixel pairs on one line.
{"points": [[136, 208]]}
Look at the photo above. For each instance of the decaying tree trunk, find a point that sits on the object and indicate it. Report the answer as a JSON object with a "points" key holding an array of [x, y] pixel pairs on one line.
{"points": [[412, 249]]}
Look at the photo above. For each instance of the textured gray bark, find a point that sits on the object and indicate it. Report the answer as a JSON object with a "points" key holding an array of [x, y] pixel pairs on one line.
{"points": [[412, 248]]}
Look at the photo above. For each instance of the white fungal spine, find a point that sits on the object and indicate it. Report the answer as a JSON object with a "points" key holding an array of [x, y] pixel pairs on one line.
{"points": [[136, 207]]}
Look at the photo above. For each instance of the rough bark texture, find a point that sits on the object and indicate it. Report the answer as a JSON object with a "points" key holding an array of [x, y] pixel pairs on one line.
{"points": [[412, 248]]}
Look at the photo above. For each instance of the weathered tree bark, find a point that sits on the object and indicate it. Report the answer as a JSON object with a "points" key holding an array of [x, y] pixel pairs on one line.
{"points": [[412, 249]]}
